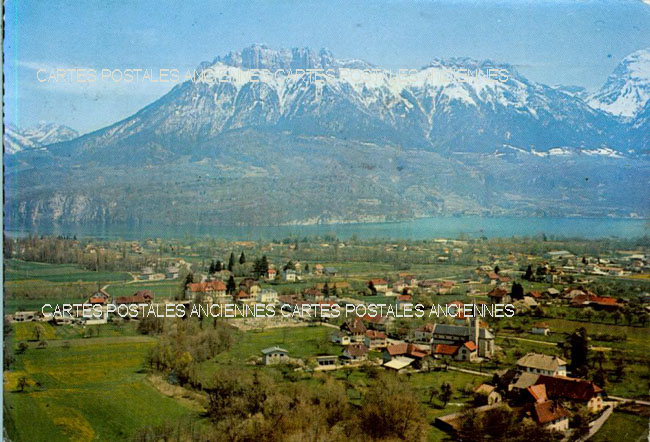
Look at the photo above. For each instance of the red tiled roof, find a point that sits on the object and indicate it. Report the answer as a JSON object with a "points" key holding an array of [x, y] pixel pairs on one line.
{"points": [[569, 388], [538, 392], [498, 292], [373, 334], [139, 297], [210, 286], [470, 345], [378, 281], [446, 350], [548, 411]]}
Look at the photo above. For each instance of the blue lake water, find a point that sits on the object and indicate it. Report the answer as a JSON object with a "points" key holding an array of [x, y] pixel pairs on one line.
{"points": [[423, 228]]}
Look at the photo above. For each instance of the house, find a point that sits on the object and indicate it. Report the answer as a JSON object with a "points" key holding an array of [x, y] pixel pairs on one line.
{"points": [[272, 273], [375, 339], [250, 286], [274, 355], [214, 289], [327, 361], [330, 271], [355, 328], [172, 272], [542, 364], [147, 274], [100, 297], [338, 337], [424, 333], [267, 296], [574, 390], [499, 295], [318, 269], [487, 394], [377, 322], [380, 285], [541, 328], [139, 297], [289, 275], [412, 351], [460, 334], [464, 352], [550, 415], [241, 297], [355, 352]]}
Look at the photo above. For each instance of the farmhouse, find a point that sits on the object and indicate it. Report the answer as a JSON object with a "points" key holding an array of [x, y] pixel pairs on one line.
{"points": [[139, 297], [542, 364], [574, 390]]}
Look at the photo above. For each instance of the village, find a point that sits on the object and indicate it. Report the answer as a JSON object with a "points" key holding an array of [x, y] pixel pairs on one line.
{"points": [[540, 363]]}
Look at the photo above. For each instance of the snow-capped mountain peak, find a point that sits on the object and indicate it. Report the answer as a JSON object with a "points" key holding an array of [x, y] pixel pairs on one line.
{"points": [[627, 89]]}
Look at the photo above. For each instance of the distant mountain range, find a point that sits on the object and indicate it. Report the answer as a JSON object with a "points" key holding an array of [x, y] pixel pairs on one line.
{"points": [[43, 134], [250, 141]]}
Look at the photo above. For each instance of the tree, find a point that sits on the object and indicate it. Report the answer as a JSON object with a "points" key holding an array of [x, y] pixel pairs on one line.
{"points": [[579, 347], [230, 286], [391, 411], [528, 276], [580, 423], [22, 347], [497, 269], [38, 332], [231, 261], [22, 383], [218, 266], [242, 258], [517, 291], [445, 393], [617, 316], [372, 288], [307, 268]]}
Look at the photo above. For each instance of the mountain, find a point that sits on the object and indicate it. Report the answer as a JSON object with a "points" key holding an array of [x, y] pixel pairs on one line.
{"points": [[258, 138], [41, 135], [627, 89]]}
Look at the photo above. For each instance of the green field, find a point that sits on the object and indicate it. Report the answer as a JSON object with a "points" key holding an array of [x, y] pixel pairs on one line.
{"points": [[623, 426], [16, 270], [95, 389]]}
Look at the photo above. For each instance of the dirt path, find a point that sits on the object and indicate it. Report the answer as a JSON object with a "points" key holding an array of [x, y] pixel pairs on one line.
{"points": [[191, 399]]}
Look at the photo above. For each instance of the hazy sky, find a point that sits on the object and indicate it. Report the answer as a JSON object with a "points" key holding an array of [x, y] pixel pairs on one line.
{"points": [[553, 42]]}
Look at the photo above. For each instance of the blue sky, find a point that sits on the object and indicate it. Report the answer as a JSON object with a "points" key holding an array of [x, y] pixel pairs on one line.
{"points": [[553, 42]]}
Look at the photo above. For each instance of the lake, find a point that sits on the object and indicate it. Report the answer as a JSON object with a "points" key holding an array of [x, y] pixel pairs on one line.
{"points": [[423, 228]]}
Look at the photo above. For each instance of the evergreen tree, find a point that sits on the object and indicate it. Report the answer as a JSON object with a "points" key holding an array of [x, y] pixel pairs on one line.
{"points": [[529, 274], [242, 258], [218, 266], [579, 346], [231, 287], [517, 291], [497, 269], [231, 261]]}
